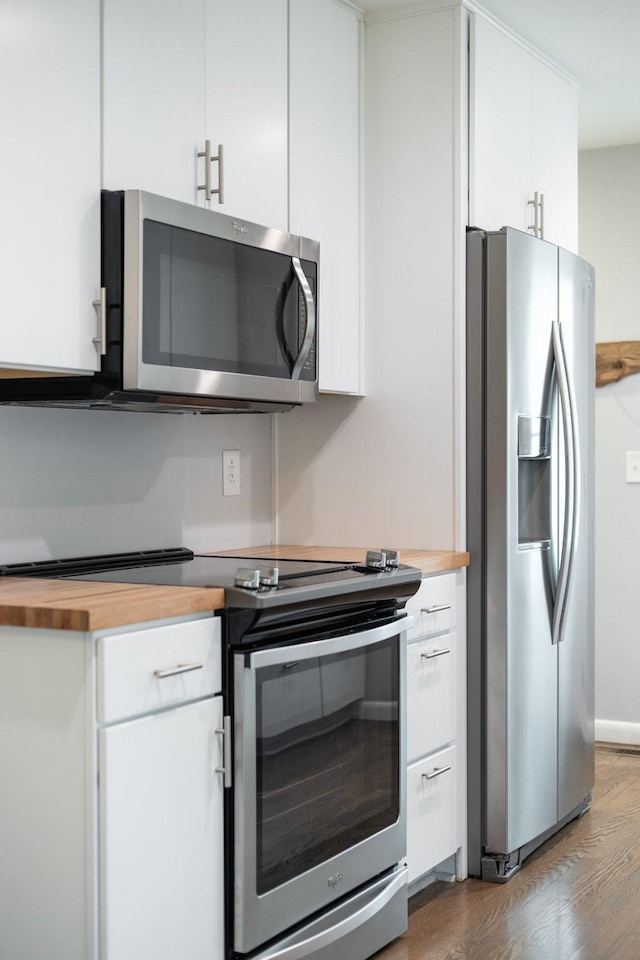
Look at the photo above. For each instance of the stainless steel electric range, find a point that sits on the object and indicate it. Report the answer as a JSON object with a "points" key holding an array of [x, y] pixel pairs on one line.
{"points": [[313, 687]]}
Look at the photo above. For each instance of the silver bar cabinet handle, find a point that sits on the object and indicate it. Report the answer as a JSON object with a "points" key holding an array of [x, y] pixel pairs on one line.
{"points": [[174, 671], [310, 327], [206, 186], [436, 608], [220, 159], [538, 214], [208, 160], [101, 306], [434, 653], [436, 772], [225, 733]]}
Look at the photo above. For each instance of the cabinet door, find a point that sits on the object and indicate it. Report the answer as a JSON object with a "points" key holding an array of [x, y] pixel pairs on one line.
{"points": [[325, 175], [161, 835], [153, 96], [431, 695], [246, 108], [500, 129], [50, 183], [554, 157], [431, 812]]}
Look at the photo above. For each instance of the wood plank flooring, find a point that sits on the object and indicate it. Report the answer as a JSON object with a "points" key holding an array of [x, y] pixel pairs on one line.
{"points": [[576, 898]]}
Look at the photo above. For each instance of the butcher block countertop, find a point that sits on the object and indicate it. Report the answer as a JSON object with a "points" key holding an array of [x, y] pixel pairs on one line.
{"points": [[60, 605], [429, 561], [65, 605]]}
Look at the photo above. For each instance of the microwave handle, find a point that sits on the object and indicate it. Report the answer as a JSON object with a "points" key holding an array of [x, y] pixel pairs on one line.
{"points": [[310, 326]]}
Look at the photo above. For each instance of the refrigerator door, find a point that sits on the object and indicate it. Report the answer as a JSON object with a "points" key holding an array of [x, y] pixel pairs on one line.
{"points": [[576, 641], [521, 678]]}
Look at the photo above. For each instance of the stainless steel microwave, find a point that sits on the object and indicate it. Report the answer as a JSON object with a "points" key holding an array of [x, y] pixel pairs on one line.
{"points": [[202, 312]]}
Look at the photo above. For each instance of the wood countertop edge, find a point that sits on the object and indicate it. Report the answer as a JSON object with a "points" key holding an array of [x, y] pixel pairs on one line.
{"points": [[83, 608]]}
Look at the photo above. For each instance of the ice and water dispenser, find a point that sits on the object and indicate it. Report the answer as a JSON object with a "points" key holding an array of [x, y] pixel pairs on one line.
{"points": [[534, 466]]}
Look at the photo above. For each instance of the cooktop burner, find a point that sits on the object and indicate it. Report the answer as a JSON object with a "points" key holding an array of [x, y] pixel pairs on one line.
{"points": [[247, 581]]}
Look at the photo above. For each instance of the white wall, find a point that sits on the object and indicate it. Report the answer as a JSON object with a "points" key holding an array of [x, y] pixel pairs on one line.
{"points": [[80, 482], [609, 199], [383, 470]]}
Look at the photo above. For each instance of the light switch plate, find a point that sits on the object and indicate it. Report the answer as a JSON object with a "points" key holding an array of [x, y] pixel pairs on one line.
{"points": [[633, 466]]}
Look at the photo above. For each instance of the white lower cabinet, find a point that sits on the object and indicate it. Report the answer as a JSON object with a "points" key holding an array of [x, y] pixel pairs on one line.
{"points": [[111, 805], [161, 846], [160, 795], [431, 811], [435, 784]]}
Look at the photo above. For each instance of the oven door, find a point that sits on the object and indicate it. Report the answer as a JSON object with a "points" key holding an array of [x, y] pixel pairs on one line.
{"points": [[319, 747]]}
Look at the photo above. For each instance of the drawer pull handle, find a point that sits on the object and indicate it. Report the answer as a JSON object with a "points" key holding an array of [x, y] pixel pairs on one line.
{"points": [[225, 733], [434, 653], [436, 772], [436, 608], [181, 668]]}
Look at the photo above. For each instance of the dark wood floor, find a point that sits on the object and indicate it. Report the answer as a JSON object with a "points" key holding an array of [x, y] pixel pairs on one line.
{"points": [[576, 898]]}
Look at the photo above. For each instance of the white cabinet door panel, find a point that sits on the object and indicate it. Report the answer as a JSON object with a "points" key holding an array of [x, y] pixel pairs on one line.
{"points": [[555, 154], [433, 606], [161, 835], [500, 135], [136, 669], [154, 96], [246, 108], [325, 175], [431, 695], [50, 183], [431, 812]]}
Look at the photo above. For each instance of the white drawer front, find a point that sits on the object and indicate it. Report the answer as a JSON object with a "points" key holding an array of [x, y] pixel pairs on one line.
{"points": [[431, 694], [433, 606], [146, 669], [431, 812]]}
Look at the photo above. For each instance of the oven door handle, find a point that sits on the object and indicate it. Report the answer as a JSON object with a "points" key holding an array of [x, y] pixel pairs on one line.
{"points": [[324, 648]]}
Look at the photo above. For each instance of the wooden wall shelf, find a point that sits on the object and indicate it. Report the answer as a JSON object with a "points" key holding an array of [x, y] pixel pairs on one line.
{"points": [[616, 360]]}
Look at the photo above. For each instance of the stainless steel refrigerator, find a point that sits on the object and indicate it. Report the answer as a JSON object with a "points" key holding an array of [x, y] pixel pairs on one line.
{"points": [[530, 467]]}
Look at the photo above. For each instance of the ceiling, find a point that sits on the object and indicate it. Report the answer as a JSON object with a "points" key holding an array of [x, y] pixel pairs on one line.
{"points": [[596, 41]]}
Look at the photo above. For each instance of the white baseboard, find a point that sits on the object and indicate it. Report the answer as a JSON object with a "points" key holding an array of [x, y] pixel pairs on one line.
{"points": [[617, 731]]}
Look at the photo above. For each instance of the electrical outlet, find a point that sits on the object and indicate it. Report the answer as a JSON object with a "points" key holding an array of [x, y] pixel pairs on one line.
{"points": [[230, 473], [633, 466]]}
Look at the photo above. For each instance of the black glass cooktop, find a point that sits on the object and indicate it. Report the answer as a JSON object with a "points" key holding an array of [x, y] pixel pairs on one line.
{"points": [[302, 579]]}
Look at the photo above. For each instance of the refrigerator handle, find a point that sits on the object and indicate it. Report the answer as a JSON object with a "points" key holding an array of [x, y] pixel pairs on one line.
{"points": [[572, 475]]}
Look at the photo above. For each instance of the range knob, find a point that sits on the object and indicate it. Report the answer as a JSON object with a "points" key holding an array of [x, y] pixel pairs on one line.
{"points": [[269, 576], [248, 578], [375, 560], [393, 557]]}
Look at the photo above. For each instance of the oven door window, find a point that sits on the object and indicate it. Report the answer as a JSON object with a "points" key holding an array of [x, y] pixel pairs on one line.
{"points": [[327, 757], [214, 304]]}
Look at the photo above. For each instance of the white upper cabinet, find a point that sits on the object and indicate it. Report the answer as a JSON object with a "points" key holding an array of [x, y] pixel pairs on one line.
{"points": [[188, 71], [246, 106], [324, 175], [554, 153], [523, 125], [50, 183], [154, 96], [500, 135]]}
